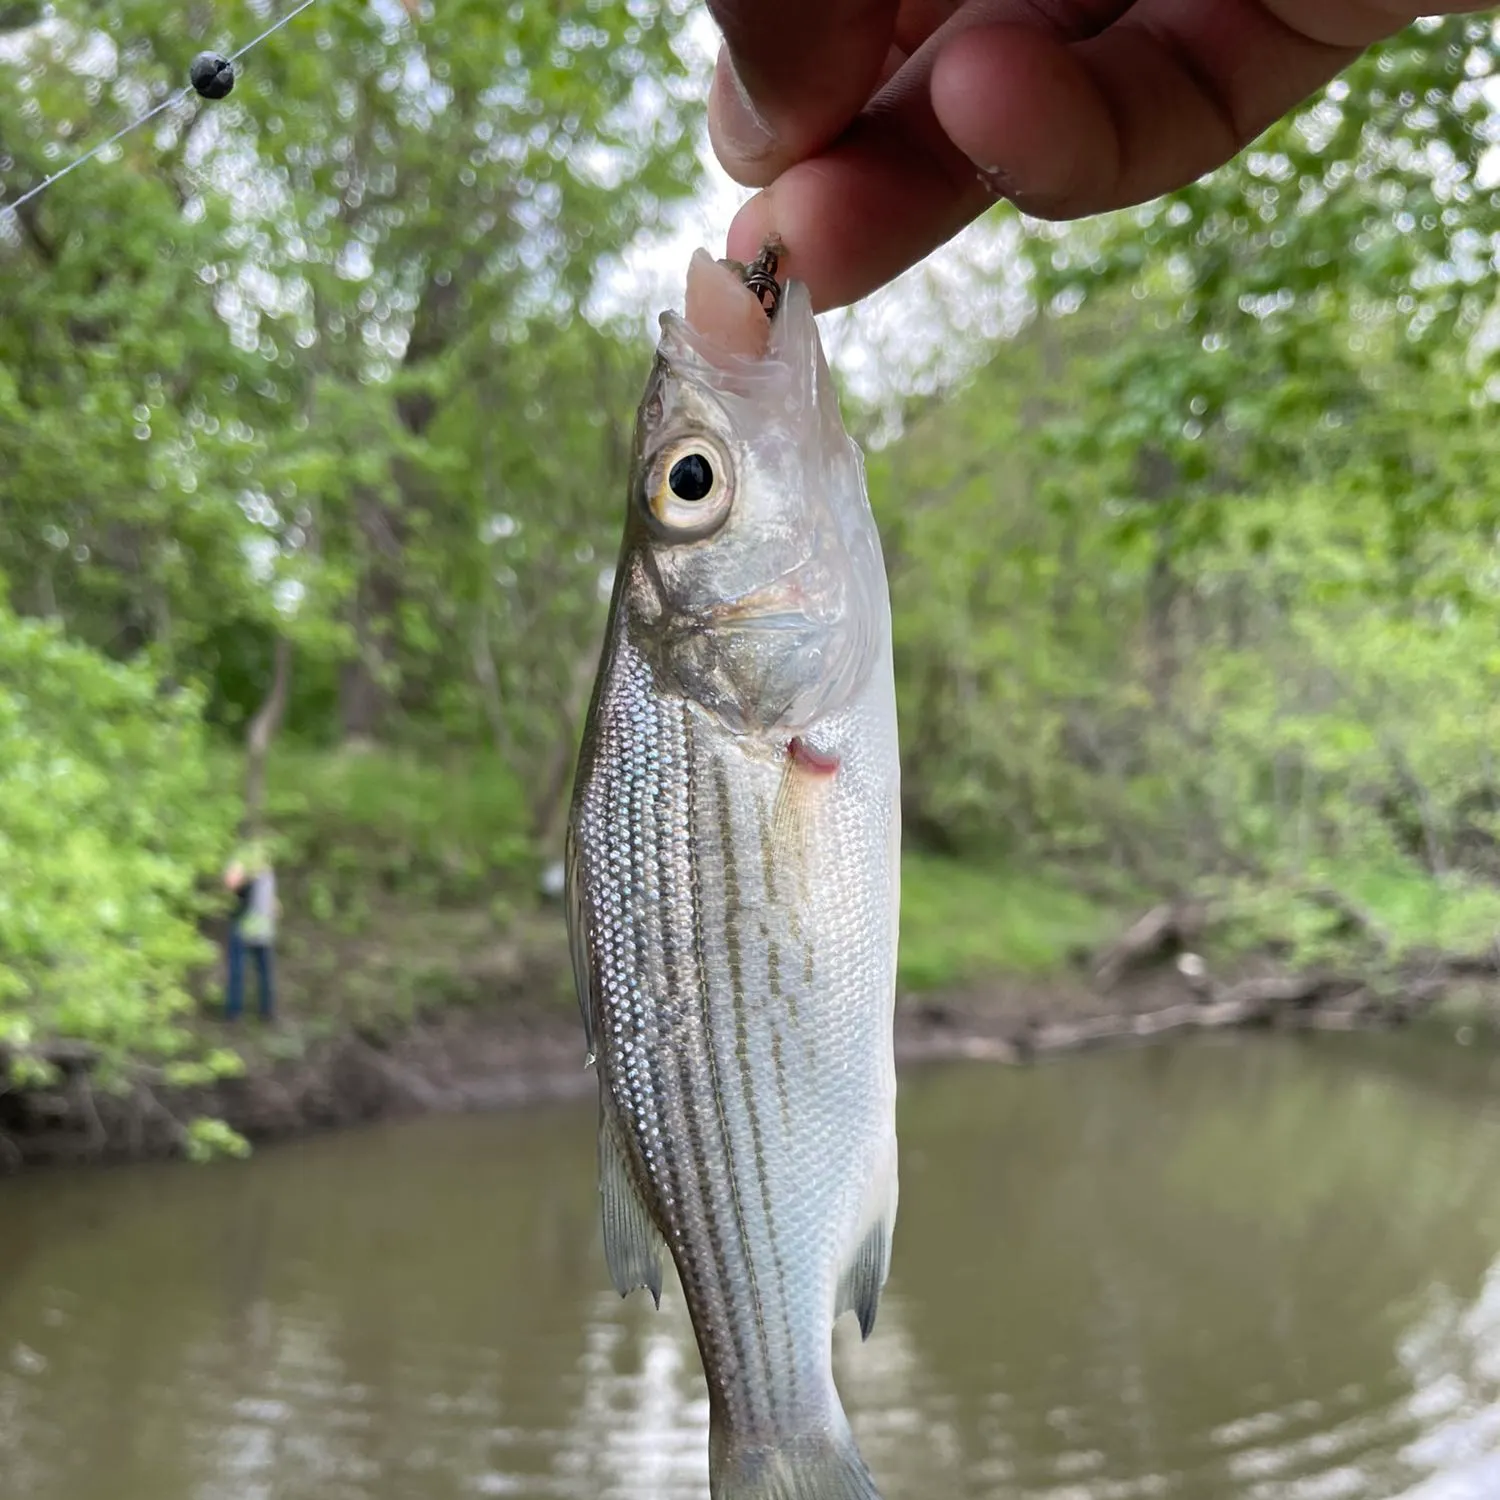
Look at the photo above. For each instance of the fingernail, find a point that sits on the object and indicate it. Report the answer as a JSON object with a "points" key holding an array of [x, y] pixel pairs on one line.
{"points": [[742, 127], [996, 180]]}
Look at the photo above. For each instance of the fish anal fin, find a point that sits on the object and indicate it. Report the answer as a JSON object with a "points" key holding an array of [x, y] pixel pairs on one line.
{"points": [[633, 1246], [864, 1275], [859, 1291]]}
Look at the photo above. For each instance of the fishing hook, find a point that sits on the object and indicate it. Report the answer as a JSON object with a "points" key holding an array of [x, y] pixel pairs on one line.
{"points": [[760, 276]]}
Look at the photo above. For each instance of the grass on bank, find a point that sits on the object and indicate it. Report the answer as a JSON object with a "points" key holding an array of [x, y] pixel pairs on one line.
{"points": [[961, 922], [1406, 908], [1456, 914]]}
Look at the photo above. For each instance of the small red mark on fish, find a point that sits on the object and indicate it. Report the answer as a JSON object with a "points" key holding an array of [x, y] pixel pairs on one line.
{"points": [[816, 761]]}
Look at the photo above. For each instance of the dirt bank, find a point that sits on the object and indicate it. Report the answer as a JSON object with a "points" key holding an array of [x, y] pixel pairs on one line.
{"points": [[503, 1046]]}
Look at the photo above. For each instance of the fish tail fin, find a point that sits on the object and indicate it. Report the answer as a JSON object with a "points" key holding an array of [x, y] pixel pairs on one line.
{"points": [[822, 1465]]}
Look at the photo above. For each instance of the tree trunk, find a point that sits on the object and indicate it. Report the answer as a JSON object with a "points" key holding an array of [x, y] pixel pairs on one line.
{"points": [[1161, 600], [361, 698], [487, 677], [363, 695], [263, 729], [1156, 479]]}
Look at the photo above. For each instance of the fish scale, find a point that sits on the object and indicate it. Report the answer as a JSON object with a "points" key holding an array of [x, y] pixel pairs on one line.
{"points": [[732, 909]]}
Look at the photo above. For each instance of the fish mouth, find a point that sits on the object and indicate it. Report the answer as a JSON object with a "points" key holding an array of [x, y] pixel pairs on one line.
{"points": [[791, 356], [692, 354]]}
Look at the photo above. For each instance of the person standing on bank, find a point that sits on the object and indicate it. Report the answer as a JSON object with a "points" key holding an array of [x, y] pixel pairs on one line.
{"points": [[252, 929]]}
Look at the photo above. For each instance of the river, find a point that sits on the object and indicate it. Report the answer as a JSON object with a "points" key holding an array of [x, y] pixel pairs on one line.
{"points": [[1260, 1269]]}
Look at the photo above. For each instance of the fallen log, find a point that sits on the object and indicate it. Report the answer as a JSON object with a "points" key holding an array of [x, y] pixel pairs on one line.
{"points": [[1249, 1010], [1276, 990], [1164, 930], [1471, 965], [1316, 1002]]}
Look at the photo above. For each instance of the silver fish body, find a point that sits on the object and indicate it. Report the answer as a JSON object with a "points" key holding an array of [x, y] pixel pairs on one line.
{"points": [[732, 874]]}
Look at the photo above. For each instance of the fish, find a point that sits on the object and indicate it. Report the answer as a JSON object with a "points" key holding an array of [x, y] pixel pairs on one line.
{"points": [[732, 881]]}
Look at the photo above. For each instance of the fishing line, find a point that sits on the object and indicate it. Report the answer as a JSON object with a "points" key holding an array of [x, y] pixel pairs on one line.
{"points": [[215, 76], [291, 15]]}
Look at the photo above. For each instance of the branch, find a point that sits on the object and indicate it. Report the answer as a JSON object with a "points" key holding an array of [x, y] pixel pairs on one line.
{"points": [[175, 1128], [1352, 916], [26, 216], [262, 731], [83, 1091]]}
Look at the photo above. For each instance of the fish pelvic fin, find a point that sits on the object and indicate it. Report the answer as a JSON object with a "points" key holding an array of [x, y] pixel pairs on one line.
{"points": [[633, 1246], [810, 1466]]}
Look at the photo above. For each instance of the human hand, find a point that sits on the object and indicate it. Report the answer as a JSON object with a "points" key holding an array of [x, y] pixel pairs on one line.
{"points": [[879, 128]]}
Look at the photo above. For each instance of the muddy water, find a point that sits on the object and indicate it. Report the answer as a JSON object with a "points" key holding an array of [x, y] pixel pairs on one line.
{"points": [[1264, 1269]]}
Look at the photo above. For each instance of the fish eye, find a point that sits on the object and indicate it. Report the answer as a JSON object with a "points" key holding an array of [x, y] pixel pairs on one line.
{"points": [[691, 478], [687, 489]]}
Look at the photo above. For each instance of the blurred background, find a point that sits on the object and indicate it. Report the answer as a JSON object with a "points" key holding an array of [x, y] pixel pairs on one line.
{"points": [[315, 407]]}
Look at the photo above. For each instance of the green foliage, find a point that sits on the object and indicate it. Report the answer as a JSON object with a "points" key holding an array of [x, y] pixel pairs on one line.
{"points": [[961, 923], [1197, 576], [207, 1139], [202, 1072], [433, 829], [1458, 914], [1194, 580], [1411, 911], [305, 366], [110, 814], [326, 375], [1357, 226]]}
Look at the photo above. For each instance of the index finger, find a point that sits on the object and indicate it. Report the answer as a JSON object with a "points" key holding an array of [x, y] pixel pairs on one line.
{"points": [[792, 75]]}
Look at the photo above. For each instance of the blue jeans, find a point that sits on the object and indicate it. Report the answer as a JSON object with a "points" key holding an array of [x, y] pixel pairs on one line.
{"points": [[234, 997]]}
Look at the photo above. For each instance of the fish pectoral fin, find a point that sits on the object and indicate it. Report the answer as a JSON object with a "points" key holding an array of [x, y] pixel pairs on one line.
{"points": [[633, 1246], [578, 938], [864, 1277]]}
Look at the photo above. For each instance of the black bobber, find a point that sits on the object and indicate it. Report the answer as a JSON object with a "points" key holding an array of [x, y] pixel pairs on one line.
{"points": [[212, 75]]}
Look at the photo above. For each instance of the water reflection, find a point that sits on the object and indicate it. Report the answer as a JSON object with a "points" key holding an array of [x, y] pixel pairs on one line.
{"points": [[640, 1421], [1266, 1271]]}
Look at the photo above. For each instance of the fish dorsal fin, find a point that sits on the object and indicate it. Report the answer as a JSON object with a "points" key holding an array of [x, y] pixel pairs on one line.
{"points": [[864, 1276], [578, 935], [632, 1244]]}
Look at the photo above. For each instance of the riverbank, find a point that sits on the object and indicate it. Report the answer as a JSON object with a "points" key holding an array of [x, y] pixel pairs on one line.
{"points": [[419, 970], [379, 1030]]}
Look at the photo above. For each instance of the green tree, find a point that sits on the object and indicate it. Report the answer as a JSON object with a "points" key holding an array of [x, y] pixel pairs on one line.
{"points": [[111, 818]]}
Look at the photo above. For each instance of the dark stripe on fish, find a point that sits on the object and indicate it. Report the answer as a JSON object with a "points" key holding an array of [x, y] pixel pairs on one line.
{"points": [[735, 907], [722, 1156]]}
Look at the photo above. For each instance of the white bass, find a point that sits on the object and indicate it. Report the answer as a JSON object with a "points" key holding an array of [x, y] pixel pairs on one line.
{"points": [[732, 883]]}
